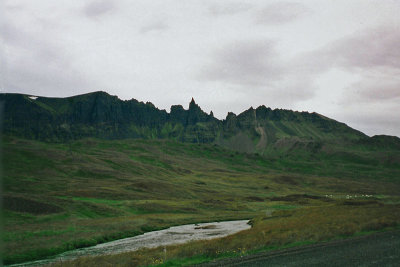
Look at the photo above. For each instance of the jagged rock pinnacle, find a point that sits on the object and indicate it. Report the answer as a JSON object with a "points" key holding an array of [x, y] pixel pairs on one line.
{"points": [[192, 104]]}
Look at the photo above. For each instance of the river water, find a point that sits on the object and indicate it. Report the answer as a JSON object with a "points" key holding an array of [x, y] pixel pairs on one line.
{"points": [[171, 236]]}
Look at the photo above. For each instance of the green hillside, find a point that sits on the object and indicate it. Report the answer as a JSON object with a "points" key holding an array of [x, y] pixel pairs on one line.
{"points": [[59, 196]]}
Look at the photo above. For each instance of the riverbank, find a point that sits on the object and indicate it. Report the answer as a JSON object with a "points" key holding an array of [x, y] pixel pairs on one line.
{"points": [[166, 237], [280, 229]]}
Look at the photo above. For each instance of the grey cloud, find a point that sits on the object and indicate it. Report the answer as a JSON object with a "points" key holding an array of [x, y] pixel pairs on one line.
{"points": [[372, 104], [369, 117], [373, 49], [51, 79], [99, 7], [281, 12], [28, 43], [13, 36], [228, 8], [373, 55], [35, 65], [11, 6], [256, 67], [375, 89], [42, 72], [246, 63], [154, 26], [369, 49]]}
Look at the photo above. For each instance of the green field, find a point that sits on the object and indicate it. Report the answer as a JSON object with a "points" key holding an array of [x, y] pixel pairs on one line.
{"points": [[59, 197]]}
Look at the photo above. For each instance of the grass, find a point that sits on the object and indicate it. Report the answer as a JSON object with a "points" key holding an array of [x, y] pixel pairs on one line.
{"points": [[283, 229], [69, 195]]}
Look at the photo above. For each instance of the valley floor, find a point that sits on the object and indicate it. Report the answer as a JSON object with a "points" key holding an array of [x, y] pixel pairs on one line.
{"points": [[60, 197]]}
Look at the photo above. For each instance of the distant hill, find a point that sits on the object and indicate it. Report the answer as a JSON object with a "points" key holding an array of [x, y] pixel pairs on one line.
{"points": [[103, 116]]}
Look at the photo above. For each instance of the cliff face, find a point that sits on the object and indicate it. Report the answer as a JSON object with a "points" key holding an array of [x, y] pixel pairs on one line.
{"points": [[101, 115], [97, 115]]}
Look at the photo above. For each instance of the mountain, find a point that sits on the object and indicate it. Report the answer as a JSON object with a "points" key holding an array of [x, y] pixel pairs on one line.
{"points": [[94, 168], [103, 116]]}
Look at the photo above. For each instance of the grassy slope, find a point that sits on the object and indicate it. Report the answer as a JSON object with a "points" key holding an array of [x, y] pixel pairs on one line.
{"points": [[63, 196], [288, 228]]}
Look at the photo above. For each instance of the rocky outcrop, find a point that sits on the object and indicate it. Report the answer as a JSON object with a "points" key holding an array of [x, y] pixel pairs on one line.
{"points": [[101, 115]]}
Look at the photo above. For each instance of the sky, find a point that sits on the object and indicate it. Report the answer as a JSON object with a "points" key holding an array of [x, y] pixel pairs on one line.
{"points": [[339, 58]]}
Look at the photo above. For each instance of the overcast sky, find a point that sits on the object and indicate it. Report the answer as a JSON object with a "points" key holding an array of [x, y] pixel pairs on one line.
{"points": [[340, 58]]}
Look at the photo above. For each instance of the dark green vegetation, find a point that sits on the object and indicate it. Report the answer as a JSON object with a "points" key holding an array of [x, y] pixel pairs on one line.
{"points": [[284, 229], [100, 115], [64, 196], [92, 168]]}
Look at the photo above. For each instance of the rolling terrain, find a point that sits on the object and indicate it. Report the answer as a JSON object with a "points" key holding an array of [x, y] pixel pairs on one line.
{"points": [[92, 168]]}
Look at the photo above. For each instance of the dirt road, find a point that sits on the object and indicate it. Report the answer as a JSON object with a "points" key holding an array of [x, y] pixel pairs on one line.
{"points": [[381, 249]]}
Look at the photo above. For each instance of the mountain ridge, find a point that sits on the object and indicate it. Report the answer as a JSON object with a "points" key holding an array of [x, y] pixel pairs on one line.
{"points": [[101, 115]]}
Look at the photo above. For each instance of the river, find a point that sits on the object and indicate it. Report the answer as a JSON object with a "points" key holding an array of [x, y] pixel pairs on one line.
{"points": [[171, 236]]}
